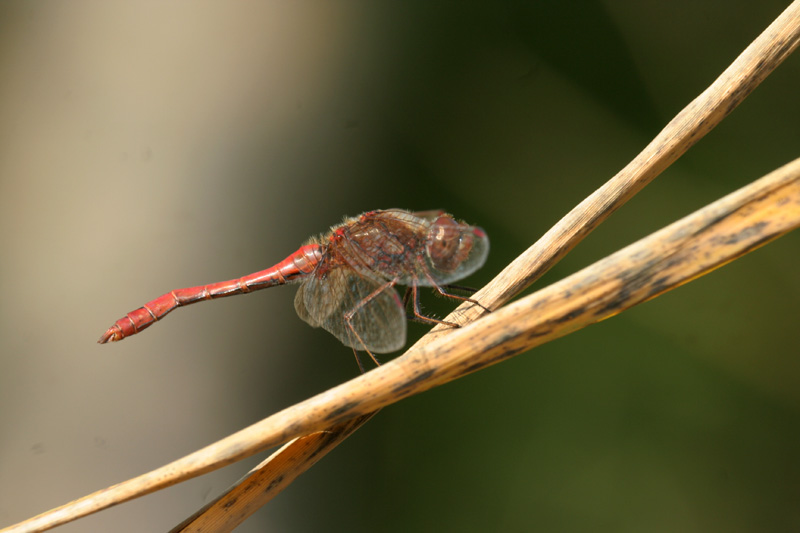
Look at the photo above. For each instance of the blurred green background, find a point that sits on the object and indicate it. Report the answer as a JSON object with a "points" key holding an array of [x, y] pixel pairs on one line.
{"points": [[149, 146]]}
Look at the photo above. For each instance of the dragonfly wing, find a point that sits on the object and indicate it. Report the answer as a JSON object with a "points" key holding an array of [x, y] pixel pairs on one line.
{"points": [[378, 323], [313, 319], [430, 215]]}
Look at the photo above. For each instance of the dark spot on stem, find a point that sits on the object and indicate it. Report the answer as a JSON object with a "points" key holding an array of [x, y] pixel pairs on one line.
{"points": [[336, 413], [422, 376]]}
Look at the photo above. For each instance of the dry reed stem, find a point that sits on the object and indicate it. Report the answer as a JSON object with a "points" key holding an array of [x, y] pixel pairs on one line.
{"points": [[267, 480], [687, 249]]}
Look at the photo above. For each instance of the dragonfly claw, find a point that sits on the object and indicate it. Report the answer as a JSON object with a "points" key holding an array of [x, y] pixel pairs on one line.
{"points": [[113, 334]]}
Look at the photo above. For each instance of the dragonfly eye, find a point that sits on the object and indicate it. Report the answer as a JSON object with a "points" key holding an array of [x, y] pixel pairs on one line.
{"points": [[448, 244]]}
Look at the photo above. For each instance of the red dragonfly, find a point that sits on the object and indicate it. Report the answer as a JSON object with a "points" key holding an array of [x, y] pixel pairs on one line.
{"points": [[348, 275]]}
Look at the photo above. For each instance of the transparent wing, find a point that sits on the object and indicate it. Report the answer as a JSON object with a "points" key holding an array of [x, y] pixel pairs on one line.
{"points": [[429, 215], [378, 323]]}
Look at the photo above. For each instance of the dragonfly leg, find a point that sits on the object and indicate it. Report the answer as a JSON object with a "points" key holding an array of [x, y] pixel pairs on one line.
{"points": [[443, 292], [348, 320], [352, 330], [417, 315], [406, 299], [461, 288], [358, 361]]}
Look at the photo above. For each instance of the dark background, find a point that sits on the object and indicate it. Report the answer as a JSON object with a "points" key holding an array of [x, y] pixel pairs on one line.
{"points": [[149, 146]]}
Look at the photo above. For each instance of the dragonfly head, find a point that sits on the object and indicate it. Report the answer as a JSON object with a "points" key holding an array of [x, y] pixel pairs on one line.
{"points": [[456, 248]]}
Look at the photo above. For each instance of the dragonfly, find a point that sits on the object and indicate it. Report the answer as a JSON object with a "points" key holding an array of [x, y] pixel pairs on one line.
{"points": [[348, 275]]}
